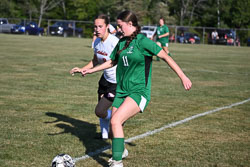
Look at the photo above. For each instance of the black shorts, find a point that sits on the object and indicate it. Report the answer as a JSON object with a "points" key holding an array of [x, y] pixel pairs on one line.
{"points": [[106, 87]]}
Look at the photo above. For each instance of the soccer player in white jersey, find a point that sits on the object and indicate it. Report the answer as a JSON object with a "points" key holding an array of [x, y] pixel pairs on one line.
{"points": [[103, 47], [111, 30]]}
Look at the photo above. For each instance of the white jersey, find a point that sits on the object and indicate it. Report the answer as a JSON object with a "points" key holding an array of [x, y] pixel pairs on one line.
{"points": [[111, 28], [102, 50]]}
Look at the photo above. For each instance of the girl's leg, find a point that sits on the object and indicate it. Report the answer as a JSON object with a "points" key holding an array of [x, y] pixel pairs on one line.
{"points": [[103, 112], [128, 109], [101, 108], [165, 49]]}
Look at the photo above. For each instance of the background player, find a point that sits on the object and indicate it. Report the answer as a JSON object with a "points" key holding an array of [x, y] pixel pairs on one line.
{"points": [[162, 36]]}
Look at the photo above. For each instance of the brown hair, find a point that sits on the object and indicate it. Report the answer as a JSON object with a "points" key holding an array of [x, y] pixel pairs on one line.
{"points": [[104, 17], [162, 18], [127, 16]]}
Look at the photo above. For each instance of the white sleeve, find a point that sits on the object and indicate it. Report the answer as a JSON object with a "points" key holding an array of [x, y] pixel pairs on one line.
{"points": [[111, 28]]}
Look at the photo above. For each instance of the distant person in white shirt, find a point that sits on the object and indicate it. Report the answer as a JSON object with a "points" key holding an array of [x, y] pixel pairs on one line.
{"points": [[214, 36], [103, 47]]}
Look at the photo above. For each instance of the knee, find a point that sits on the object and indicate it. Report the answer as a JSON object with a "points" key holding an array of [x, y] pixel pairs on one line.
{"points": [[100, 113], [115, 122]]}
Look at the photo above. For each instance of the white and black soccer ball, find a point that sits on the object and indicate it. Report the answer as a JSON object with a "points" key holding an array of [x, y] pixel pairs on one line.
{"points": [[63, 160]]}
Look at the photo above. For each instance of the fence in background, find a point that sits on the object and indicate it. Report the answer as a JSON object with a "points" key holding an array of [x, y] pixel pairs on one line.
{"points": [[226, 36]]}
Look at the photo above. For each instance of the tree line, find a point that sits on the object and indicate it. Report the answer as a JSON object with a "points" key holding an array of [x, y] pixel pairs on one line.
{"points": [[203, 13]]}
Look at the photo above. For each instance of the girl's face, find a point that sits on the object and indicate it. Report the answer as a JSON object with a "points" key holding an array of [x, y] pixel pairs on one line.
{"points": [[161, 22], [101, 29], [126, 27]]}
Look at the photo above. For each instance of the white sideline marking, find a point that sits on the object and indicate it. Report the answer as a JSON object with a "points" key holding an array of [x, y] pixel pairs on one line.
{"points": [[104, 149], [209, 71], [221, 72], [212, 71]]}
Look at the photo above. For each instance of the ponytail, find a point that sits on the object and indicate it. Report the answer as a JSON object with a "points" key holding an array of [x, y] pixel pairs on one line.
{"points": [[128, 16], [130, 39]]}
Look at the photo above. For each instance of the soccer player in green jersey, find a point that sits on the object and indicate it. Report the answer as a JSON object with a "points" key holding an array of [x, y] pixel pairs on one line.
{"points": [[133, 57], [162, 36]]}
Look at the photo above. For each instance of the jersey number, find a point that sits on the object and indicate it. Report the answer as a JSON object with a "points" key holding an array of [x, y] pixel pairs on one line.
{"points": [[125, 60]]}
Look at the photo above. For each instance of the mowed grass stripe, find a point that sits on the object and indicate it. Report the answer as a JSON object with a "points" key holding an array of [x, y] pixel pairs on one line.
{"points": [[149, 133], [45, 111]]}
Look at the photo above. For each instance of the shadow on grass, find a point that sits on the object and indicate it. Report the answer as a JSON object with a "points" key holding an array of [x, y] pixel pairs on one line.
{"points": [[85, 60], [86, 132]]}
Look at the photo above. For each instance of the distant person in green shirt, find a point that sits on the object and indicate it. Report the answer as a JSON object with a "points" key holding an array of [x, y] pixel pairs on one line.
{"points": [[162, 36], [133, 57]]}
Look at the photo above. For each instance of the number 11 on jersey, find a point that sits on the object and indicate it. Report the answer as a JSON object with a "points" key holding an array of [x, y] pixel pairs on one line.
{"points": [[125, 60]]}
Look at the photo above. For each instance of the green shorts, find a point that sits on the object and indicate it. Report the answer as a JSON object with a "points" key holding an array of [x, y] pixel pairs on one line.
{"points": [[141, 101], [163, 44]]}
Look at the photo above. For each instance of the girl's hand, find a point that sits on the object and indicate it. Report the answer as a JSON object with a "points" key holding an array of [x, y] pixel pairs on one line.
{"points": [[86, 71], [74, 70], [187, 84]]}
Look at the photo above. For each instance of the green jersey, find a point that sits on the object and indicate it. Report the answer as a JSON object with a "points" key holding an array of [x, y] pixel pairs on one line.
{"points": [[160, 31], [134, 65]]}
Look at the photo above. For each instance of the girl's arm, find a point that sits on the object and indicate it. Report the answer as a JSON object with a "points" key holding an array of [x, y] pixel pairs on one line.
{"points": [[185, 80], [91, 64], [107, 64], [164, 35]]}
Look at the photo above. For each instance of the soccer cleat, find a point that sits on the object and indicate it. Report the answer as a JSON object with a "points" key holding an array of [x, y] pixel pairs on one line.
{"points": [[114, 163], [125, 153]]}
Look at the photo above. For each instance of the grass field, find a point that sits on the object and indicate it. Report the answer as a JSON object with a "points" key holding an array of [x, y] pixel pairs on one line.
{"points": [[45, 111]]}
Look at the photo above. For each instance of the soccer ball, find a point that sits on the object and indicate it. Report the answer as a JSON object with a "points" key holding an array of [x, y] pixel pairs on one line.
{"points": [[63, 160]]}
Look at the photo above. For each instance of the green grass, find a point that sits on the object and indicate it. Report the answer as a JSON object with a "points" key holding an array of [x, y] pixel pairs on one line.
{"points": [[45, 111]]}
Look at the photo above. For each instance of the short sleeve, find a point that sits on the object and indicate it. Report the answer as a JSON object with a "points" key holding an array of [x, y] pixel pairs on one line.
{"points": [[149, 47], [113, 55], [111, 28], [96, 42], [166, 29]]}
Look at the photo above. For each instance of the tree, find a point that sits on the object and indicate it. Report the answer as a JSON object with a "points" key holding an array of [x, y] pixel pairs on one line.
{"points": [[82, 9], [11, 8], [160, 9], [232, 13], [186, 10], [194, 5], [147, 11], [240, 14], [30, 8], [139, 7], [46, 5]]}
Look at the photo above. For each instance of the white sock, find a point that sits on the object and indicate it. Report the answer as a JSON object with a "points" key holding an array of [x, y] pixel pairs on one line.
{"points": [[104, 123]]}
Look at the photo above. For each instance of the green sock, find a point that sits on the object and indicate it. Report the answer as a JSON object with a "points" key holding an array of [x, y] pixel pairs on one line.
{"points": [[117, 148]]}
